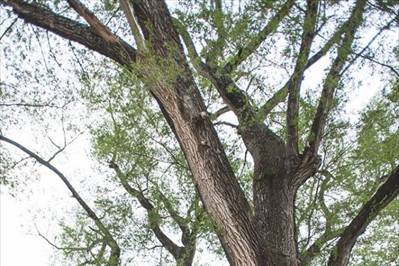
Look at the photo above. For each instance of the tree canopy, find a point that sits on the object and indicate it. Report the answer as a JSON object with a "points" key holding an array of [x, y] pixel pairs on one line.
{"points": [[255, 132]]}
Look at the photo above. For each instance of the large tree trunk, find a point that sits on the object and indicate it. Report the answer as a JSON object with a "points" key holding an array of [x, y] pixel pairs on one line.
{"points": [[264, 234], [214, 179], [266, 238], [273, 195], [186, 113], [274, 219]]}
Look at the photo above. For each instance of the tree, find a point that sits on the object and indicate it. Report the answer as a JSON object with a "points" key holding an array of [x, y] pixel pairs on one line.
{"points": [[299, 151]]}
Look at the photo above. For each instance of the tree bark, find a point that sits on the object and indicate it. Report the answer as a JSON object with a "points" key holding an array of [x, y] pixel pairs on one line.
{"points": [[274, 219], [264, 234], [69, 29], [382, 197], [214, 179]]}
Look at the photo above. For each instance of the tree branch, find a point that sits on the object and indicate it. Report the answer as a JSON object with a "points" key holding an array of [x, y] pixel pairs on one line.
{"points": [[334, 39], [282, 93], [173, 248], [219, 112], [309, 27], [329, 233], [253, 43], [41, 16], [31, 105], [93, 21], [189, 240], [138, 37], [236, 99], [315, 248], [180, 221], [331, 82], [8, 28], [387, 192], [360, 54], [85, 249], [257, 137], [278, 97], [202, 68], [216, 48], [115, 250]]}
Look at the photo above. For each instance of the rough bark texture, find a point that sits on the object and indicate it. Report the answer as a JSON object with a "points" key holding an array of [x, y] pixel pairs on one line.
{"points": [[265, 233], [274, 219], [219, 189], [121, 52]]}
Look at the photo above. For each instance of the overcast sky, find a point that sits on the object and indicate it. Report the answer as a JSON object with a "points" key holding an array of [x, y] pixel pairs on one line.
{"points": [[44, 203], [20, 243]]}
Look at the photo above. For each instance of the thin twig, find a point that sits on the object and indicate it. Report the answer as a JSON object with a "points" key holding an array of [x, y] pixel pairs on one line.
{"points": [[8, 28]]}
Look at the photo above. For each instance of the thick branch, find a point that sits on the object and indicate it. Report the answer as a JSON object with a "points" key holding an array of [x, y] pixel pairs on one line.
{"points": [[278, 97], [335, 38], [294, 86], [332, 80], [134, 27], [253, 44], [41, 16], [381, 198], [236, 99], [115, 250], [93, 21], [256, 136]]}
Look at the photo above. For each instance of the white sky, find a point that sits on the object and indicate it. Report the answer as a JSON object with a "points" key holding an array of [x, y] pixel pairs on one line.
{"points": [[20, 244], [40, 205]]}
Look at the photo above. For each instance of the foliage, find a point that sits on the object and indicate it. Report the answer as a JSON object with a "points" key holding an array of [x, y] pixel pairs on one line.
{"points": [[147, 186]]}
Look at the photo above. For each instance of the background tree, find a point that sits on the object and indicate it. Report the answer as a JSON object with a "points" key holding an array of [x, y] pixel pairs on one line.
{"points": [[312, 183]]}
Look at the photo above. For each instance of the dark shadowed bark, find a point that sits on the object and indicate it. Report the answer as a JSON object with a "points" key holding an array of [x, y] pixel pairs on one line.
{"points": [[218, 188], [262, 234], [69, 29]]}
